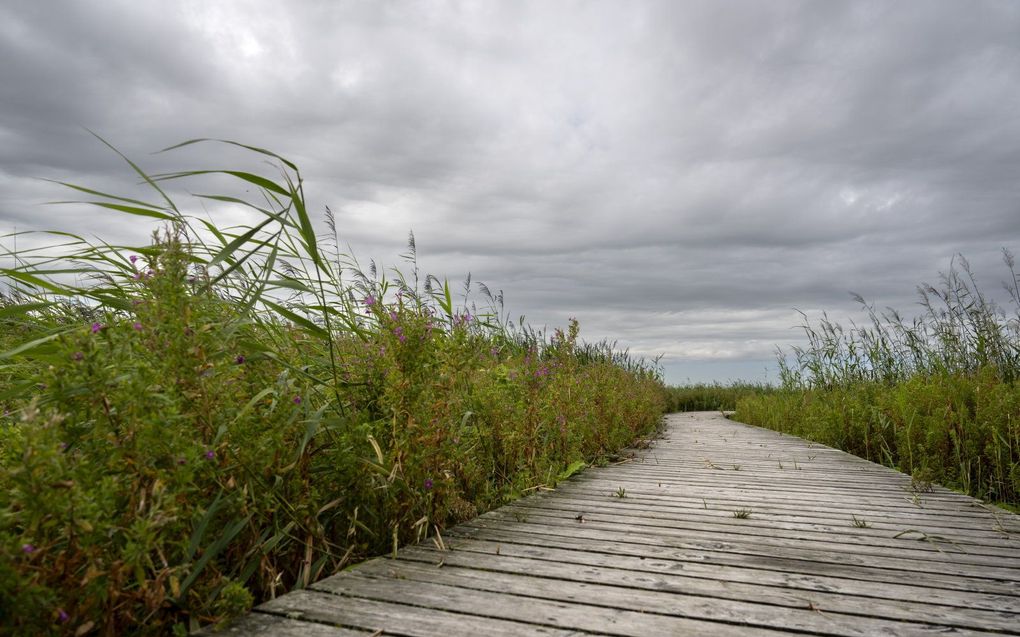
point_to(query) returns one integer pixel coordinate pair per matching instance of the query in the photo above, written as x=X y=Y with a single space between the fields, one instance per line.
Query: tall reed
x=960 y=331
x=936 y=396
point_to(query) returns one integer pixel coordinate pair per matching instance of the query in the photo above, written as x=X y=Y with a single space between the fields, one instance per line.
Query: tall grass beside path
x=936 y=397
x=207 y=421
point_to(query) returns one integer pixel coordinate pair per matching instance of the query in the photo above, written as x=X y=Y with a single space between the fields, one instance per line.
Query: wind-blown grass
x=226 y=414
x=936 y=397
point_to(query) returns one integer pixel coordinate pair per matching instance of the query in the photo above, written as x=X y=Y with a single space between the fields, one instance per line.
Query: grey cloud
x=678 y=174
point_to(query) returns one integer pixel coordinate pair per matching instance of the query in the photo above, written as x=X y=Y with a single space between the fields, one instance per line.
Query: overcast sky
x=678 y=175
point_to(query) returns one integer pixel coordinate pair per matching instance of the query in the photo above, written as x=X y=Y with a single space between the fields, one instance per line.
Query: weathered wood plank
x=751 y=563
x=877 y=527
x=394 y=617
x=763 y=549
x=265 y=625
x=791 y=481
x=538 y=611
x=906 y=545
x=980 y=519
x=753 y=602
x=897 y=502
x=980 y=534
x=580 y=555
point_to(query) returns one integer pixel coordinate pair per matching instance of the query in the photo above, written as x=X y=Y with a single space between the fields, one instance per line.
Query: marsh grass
x=712 y=396
x=197 y=424
x=935 y=396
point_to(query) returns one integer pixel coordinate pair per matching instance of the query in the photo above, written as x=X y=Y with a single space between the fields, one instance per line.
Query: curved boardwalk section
x=718 y=528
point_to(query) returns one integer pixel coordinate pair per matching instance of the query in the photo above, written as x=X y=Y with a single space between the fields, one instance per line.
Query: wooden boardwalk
x=658 y=545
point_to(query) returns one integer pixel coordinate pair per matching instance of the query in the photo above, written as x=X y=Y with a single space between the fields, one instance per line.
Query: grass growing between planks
x=226 y=414
x=936 y=397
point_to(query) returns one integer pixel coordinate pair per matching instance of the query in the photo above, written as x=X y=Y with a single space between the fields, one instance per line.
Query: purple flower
x=137 y=326
x=428 y=484
x=62 y=616
x=96 y=327
x=27 y=549
x=400 y=334
x=137 y=276
x=78 y=356
x=297 y=400
x=240 y=359
x=393 y=316
x=133 y=257
x=369 y=301
x=209 y=455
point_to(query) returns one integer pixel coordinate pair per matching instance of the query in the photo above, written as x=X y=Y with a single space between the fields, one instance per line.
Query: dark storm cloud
x=679 y=175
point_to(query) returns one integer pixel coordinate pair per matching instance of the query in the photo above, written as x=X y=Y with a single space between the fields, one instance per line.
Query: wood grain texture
x=670 y=558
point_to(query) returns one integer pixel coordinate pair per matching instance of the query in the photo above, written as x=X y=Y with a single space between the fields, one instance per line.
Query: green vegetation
x=936 y=397
x=195 y=425
x=712 y=396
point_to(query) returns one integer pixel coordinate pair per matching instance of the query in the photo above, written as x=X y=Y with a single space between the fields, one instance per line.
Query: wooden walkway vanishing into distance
x=717 y=529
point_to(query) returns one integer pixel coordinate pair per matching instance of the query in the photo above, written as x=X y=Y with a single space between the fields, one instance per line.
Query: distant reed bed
x=935 y=396
x=209 y=420
x=712 y=396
